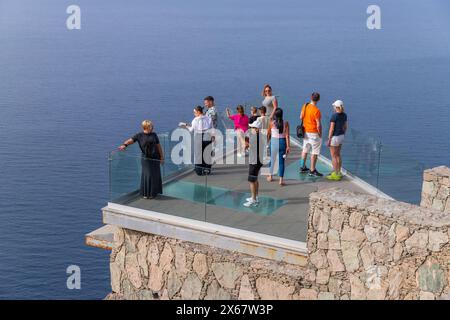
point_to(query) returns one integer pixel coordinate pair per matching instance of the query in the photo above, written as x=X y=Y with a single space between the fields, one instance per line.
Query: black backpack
x=300 y=128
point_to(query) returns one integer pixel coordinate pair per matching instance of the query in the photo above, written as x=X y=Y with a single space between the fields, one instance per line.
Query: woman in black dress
x=152 y=158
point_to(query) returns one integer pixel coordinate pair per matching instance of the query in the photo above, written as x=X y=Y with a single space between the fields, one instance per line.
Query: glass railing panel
x=367 y=158
x=124 y=172
x=400 y=175
x=280 y=211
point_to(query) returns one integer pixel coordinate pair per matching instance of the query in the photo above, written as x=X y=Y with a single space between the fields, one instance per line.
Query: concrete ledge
x=102 y=238
x=251 y=243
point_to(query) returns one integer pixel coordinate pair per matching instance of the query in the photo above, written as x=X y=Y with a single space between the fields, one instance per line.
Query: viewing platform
x=209 y=209
x=310 y=239
x=218 y=198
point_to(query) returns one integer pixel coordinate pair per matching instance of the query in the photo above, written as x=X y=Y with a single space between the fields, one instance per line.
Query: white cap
x=256 y=124
x=338 y=103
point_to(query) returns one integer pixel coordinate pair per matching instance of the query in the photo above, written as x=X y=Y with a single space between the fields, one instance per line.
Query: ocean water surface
x=67 y=98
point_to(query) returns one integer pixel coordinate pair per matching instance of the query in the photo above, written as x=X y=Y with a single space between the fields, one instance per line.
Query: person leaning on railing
x=152 y=159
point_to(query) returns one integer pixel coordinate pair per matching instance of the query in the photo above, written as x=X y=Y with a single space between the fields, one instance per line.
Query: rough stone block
x=272 y=290
x=429 y=176
x=180 y=260
x=378 y=293
x=153 y=253
x=372 y=233
x=402 y=233
x=426 y=201
x=358 y=291
x=438 y=204
x=352 y=235
x=192 y=287
x=350 y=256
x=200 y=265
x=337 y=219
x=215 y=292
x=395 y=280
x=246 y=291
x=397 y=252
x=436 y=240
x=443 y=192
x=431 y=277
x=428 y=187
x=322 y=277
x=318 y=259
x=116 y=277
x=418 y=240
x=324 y=223
x=174 y=284
x=227 y=273
x=307 y=294
x=325 y=296
x=447 y=206
x=355 y=219
x=132 y=269
x=367 y=256
x=426 y=296
x=334 y=241
x=165 y=260
x=156 y=277
x=380 y=252
x=446 y=181
x=322 y=241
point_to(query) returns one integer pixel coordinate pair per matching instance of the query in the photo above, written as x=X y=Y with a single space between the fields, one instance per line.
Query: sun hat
x=338 y=103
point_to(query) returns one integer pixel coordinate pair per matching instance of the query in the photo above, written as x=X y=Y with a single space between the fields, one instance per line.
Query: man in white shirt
x=201 y=126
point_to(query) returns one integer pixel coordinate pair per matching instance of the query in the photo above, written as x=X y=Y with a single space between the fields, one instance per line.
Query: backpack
x=300 y=128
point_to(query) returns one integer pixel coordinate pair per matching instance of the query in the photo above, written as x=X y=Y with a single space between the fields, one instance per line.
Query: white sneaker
x=250 y=204
x=251 y=199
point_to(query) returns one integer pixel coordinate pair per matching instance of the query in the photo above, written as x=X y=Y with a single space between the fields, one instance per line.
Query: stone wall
x=436 y=189
x=359 y=247
x=370 y=248
x=147 y=266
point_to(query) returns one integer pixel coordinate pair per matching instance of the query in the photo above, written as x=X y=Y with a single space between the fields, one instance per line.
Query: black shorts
x=253 y=172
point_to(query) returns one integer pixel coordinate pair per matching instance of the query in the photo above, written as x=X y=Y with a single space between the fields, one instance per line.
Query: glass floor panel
x=221 y=197
x=292 y=171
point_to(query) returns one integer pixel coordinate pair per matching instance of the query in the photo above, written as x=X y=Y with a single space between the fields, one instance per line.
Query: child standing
x=264 y=120
x=253 y=115
x=336 y=135
x=254 y=164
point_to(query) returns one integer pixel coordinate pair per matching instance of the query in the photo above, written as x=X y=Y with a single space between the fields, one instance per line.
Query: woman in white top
x=270 y=101
x=201 y=126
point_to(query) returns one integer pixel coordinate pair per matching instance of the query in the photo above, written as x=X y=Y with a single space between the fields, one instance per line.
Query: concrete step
x=102 y=238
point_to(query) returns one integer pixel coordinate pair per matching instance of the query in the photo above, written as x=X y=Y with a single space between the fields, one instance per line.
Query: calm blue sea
x=67 y=98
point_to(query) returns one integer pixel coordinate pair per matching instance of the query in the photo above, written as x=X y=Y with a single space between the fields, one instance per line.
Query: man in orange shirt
x=311 y=117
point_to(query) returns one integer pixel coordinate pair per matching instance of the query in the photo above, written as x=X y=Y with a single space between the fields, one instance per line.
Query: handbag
x=300 y=128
